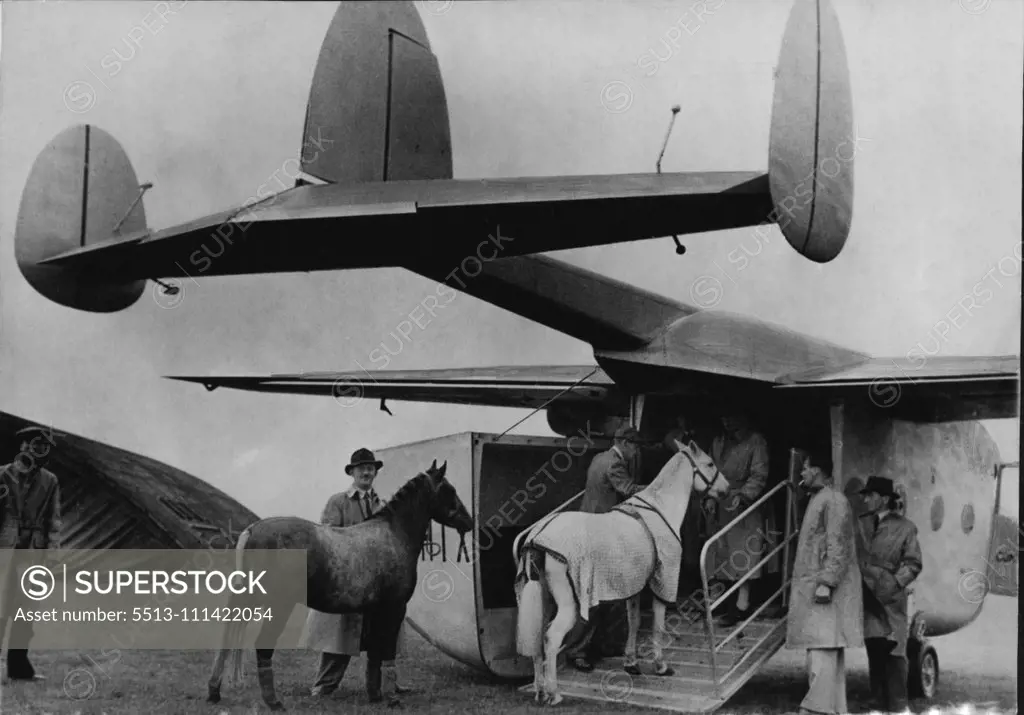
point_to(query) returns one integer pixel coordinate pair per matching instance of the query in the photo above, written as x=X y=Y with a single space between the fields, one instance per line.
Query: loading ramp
x=711 y=664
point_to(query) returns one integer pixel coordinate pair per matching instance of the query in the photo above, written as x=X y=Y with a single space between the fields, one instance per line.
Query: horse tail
x=236 y=629
x=530 y=619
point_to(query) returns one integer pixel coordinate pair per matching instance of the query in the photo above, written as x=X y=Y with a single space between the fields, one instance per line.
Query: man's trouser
x=888 y=675
x=602 y=634
x=18 y=665
x=826 y=675
x=379 y=639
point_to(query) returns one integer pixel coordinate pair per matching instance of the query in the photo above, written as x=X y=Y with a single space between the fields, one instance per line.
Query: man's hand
x=822 y=594
x=734 y=502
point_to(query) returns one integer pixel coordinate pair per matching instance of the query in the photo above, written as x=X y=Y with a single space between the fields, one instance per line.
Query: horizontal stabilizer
x=332 y=226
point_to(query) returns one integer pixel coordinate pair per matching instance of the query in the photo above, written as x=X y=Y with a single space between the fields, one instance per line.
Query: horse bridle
x=707 y=502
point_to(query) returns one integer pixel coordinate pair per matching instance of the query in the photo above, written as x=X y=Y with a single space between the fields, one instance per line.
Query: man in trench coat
x=742 y=456
x=890 y=560
x=338 y=637
x=29 y=519
x=825 y=606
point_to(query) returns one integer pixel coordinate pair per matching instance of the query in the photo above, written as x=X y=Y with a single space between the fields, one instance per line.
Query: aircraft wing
x=946 y=388
x=953 y=387
x=428 y=222
x=524 y=387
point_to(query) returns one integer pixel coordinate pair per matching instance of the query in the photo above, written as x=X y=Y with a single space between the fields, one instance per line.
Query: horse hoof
x=554 y=699
x=213 y=697
x=394 y=703
x=276 y=706
x=666 y=672
x=632 y=669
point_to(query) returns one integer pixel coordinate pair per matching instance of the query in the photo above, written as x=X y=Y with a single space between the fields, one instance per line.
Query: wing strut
x=549 y=401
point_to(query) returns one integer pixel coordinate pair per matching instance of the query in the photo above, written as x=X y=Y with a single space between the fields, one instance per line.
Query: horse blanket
x=611 y=556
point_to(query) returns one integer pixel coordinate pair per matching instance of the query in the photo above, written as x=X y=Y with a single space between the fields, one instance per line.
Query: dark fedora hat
x=879 y=485
x=362 y=456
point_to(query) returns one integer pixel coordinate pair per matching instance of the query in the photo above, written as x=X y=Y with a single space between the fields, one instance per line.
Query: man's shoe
x=583 y=665
x=25 y=676
x=403 y=689
x=734 y=616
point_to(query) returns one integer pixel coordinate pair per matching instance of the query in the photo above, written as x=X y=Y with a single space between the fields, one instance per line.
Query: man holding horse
x=610 y=481
x=741 y=453
x=339 y=637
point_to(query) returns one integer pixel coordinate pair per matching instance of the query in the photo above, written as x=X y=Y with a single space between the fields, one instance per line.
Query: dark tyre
x=923 y=670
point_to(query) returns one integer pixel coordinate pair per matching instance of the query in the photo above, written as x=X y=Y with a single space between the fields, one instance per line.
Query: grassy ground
x=979 y=666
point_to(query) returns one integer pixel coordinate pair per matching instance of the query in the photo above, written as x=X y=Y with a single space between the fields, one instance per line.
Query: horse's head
x=446 y=508
x=707 y=478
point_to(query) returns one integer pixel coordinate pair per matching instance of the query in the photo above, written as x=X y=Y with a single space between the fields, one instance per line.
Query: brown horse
x=368 y=568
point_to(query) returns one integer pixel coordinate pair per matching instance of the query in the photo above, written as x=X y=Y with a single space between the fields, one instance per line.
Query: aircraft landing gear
x=922 y=669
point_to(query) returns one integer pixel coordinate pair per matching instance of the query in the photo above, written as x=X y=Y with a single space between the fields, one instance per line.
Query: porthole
x=938 y=513
x=967 y=519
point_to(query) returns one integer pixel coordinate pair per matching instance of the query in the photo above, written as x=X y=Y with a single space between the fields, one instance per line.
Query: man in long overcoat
x=890 y=560
x=338 y=637
x=610 y=482
x=29 y=519
x=741 y=454
x=699 y=520
x=825 y=594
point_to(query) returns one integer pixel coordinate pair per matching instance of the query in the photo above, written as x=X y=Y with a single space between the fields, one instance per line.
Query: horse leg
x=538 y=678
x=561 y=624
x=265 y=642
x=233 y=632
x=633 y=616
x=661 y=638
x=217 y=673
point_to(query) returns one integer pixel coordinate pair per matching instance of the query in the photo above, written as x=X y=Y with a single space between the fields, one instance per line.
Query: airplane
x=377 y=92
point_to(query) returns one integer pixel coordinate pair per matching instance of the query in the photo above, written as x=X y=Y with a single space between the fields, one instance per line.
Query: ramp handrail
x=710 y=606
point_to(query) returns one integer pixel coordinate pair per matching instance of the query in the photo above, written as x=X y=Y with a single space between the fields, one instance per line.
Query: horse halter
x=698 y=473
x=708 y=501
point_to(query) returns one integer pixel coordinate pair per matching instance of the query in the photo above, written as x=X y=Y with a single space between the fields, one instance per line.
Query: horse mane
x=411 y=488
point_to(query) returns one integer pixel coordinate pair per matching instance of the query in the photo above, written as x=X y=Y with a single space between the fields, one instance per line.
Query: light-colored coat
x=341 y=633
x=826 y=553
x=890 y=560
x=29 y=509
x=609 y=483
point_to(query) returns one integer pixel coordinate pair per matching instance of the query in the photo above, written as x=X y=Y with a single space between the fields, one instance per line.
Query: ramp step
x=693 y=636
x=609 y=685
x=690 y=689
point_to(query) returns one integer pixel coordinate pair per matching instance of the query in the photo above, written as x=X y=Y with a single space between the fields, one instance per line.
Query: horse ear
x=433 y=466
x=443 y=469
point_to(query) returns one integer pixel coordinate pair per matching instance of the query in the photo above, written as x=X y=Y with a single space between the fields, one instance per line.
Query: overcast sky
x=211 y=104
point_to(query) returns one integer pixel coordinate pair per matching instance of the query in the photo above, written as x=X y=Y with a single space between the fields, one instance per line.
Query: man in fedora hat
x=339 y=637
x=29 y=519
x=890 y=560
x=610 y=481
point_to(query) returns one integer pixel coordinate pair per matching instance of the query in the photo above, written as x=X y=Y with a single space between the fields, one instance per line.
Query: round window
x=967 y=519
x=938 y=513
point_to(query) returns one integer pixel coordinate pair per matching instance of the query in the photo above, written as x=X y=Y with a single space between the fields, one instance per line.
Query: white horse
x=607 y=557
